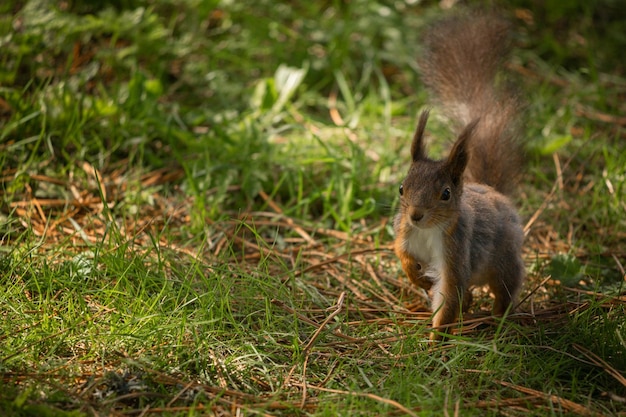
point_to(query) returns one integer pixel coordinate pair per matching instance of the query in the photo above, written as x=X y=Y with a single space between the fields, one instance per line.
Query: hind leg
x=467 y=300
x=506 y=285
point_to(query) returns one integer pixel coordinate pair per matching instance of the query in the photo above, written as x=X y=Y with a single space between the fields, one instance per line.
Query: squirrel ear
x=459 y=155
x=417 y=146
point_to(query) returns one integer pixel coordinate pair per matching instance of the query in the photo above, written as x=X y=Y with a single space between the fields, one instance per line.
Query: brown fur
x=461 y=64
x=456 y=228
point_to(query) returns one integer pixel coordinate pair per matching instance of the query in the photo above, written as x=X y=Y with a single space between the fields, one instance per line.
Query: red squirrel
x=456 y=226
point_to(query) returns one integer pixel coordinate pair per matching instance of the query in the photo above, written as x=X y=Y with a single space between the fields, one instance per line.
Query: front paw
x=419 y=279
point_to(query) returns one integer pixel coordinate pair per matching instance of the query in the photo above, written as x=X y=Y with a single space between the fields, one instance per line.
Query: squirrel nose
x=417 y=216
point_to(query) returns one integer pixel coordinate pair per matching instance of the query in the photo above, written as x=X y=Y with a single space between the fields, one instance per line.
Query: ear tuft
x=418 y=150
x=459 y=154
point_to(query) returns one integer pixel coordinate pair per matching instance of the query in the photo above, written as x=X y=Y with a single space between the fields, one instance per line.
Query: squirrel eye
x=445 y=195
x=401 y=189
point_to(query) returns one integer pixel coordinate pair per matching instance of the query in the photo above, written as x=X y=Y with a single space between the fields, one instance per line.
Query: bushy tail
x=461 y=64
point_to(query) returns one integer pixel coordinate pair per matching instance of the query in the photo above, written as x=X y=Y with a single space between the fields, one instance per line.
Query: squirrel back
x=461 y=62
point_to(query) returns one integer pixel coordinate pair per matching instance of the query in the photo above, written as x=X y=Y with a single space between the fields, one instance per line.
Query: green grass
x=189 y=188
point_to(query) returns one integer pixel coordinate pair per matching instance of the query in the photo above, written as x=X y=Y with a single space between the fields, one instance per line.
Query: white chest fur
x=426 y=245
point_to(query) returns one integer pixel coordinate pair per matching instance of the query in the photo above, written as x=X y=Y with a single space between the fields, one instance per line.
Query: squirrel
x=456 y=227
